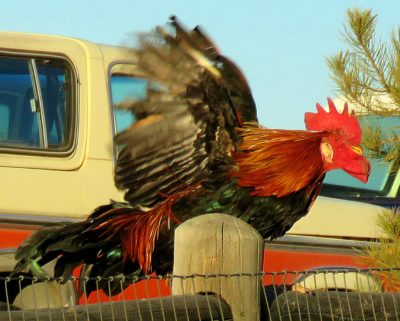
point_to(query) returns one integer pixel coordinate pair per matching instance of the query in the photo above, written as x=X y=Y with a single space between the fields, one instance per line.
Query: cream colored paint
x=339 y=218
x=58 y=193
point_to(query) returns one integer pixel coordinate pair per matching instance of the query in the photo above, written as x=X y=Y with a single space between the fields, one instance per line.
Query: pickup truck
x=59 y=101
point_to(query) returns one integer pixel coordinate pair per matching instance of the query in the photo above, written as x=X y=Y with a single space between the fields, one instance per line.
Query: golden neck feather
x=278 y=162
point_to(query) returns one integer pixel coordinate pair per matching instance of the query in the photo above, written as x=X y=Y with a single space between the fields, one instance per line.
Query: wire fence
x=324 y=294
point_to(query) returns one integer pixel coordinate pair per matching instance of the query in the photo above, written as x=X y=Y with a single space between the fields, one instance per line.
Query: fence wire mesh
x=325 y=294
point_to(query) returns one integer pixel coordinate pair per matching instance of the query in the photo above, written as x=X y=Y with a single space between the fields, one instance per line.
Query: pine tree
x=367 y=74
x=385 y=253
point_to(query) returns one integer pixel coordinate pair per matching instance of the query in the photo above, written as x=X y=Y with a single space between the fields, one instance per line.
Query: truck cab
x=61 y=103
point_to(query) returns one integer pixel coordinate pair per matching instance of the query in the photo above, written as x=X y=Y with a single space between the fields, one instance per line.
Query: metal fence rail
x=325 y=294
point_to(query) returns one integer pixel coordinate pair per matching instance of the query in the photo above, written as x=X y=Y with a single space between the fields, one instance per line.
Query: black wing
x=185 y=130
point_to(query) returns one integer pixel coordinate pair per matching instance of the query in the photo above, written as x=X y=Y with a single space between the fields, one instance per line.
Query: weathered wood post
x=215 y=244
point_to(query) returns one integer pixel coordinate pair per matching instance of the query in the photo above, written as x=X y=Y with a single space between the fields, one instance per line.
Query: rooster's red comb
x=345 y=123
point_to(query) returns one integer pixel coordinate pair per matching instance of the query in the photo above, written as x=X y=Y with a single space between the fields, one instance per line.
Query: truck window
x=339 y=183
x=125 y=89
x=35 y=104
x=4 y=117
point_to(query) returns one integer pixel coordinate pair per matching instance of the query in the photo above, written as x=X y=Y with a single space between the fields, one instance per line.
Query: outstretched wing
x=185 y=130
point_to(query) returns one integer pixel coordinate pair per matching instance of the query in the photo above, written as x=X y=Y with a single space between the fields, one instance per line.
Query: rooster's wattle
x=196 y=148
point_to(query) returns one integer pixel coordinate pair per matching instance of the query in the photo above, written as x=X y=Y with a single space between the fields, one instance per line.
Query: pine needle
x=385 y=253
x=368 y=73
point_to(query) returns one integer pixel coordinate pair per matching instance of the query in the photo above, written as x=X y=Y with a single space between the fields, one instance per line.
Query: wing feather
x=185 y=129
x=149 y=139
x=151 y=159
x=168 y=183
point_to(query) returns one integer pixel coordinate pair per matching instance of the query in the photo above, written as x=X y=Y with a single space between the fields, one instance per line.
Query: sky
x=281 y=46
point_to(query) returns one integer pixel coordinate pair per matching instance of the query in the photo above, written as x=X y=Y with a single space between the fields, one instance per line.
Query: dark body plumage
x=82 y=242
x=186 y=155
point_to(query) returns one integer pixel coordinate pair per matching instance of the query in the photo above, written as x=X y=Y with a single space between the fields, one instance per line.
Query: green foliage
x=386 y=252
x=368 y=73
x=381 y=145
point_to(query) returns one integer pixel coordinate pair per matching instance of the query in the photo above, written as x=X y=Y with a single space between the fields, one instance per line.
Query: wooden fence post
x=220 y=244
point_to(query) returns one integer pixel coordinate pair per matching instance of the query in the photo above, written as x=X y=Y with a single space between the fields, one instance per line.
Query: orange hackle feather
x=278 y=162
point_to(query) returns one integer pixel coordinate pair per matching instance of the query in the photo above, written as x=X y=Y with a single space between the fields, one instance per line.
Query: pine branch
x=368 y=74
x=361 y=35
x=352 y=83
x=386 y=252
x=395 y=64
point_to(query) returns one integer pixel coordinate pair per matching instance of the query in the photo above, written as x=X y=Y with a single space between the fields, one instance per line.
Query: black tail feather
x=74 y=244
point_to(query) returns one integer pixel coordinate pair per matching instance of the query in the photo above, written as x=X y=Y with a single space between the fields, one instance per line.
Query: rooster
x=196 y=147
